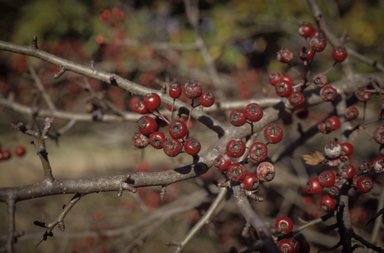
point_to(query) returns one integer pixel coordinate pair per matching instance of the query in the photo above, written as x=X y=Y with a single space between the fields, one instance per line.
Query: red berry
x=192 y=146
x=147 y=125
x=352 y=113
x=296 y=98
x=5 y=155
x=275 y=78
x=333 y=162
x=328 y=93
x=141 y=108
x=133 y=102
x=347 y=171
x=320 y=80
x=236 y=172
x=236 y=148
x=327 y=203
x=302 y=113
x=174 y=90
x=253 y=112
x=361 y=95
x=105 y=15
x=332 y=149
x=332 y=123
x=265 y=171
x=152 y=101
x=364 y=184
x=322 y=127
x=140 y=140
x=285 y=224
x=306 y=53
x=222 y=162
x=302 y=246
x=327 y=178
x=318 y=41
x=258 y=151
x=193 y=89
x=378 y=135
x=305 y=29
x=283 y=89
x=157 y=139
x=20 y=151
x=346 y=148
x=250 y=181
x=286 y=246
x=207 y=99
x=339 y=54
x=288 y=78
x=273 y=134
x=364 y=167
x=172 y=147
x=285 y=55
x=237 y=117
x=378 y=165
x=313 y=186
x=178 y=129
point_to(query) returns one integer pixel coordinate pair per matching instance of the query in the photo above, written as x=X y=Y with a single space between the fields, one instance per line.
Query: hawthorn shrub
x=190 y=149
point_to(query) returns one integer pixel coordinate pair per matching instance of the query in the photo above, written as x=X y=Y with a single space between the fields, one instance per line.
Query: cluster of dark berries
x=177 y=139
x=6 y=153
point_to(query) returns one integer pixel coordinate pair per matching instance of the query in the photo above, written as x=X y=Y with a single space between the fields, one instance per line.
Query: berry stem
x=161 y=116
x=328 y=70
x=190 y=114
x=173 y=106
x=297 y=72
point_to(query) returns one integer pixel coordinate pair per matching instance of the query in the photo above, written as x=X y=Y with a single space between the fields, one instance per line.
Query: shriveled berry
x=378 y=135
x=322 y=127
x=275 y=78
x=157 y=139
x=283 y=89
x=347 y=171
x=253 y=112
x=332 y=149
x=286 y=246
x=258 y=151
x=306 y=29
x=364 y=184
x=339 y=54
x=172 y=147
x=318 y=41
x=192 y=146
x=193 y=89
x=147 y=125
x=207 y=99
x=327 y=203
x=361 y=95
x=296 y=98
x=285 y=224
x=378 y=165
x=222 y=162
x=236 y=172
x=333 y=191
x=346 y=148
x=328 y=93
x=273 y=134
x=332 y=123
x=236 y=148
x=237 y=117
x=141 y=108
x=152 y=101
x=352 y=113
x=20 y=151
x=320 y=80
x=327 y=178
x=333 y=162
x=140 y=140
x=251 y=182
x=306 y=53
x=313 y=186
x=285 y=55
x=175 y=90
x=178 y=129
x=265 y=171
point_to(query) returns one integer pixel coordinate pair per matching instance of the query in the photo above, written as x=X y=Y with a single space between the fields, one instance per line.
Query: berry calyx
x=361 y=95
x=152 y=101
x=140 y=140
x=364 y=167
x=328 y=93
x=318 y=41
x=273 y=134
x=147 y=125
x=275 y=78
x=378 y=135
x=296 y=98
x=20 y=151
x=174 y=90
x=313 y=186
x=306 y=29
x=285 y=224
x=283 y=89
x=352 y=113
x=251 y=182
x=193 y=89
x=265 y=171
x=320 y=80
x=192 y=146
x=258 y=151
x=285 y=55
x=178 y=129
x=157 y=139
x=332 y=123
x=339 y=54
x=327 y=178
x=207 y=99
x=253 y=112
x=172 y=147
x=286 y=246
x=237 y=117
x=141 y=108
x=364 y=184
x=327 y=203
x=235 y=148
x=347 y=171
x=222 y=162
x=236 y=172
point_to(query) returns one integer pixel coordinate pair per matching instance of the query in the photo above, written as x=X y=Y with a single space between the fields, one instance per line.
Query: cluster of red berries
x=178 y=130
x=6 y=153
x=116 y=14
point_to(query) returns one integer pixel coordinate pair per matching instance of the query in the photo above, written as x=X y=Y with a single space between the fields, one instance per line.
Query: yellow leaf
x=314 y=158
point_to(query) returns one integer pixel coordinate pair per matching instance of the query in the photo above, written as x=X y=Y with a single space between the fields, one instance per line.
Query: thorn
x=59 y=73
x=34 y=42
x=113 y=80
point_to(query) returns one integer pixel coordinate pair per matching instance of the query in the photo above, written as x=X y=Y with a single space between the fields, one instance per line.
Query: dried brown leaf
x=314 y=158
